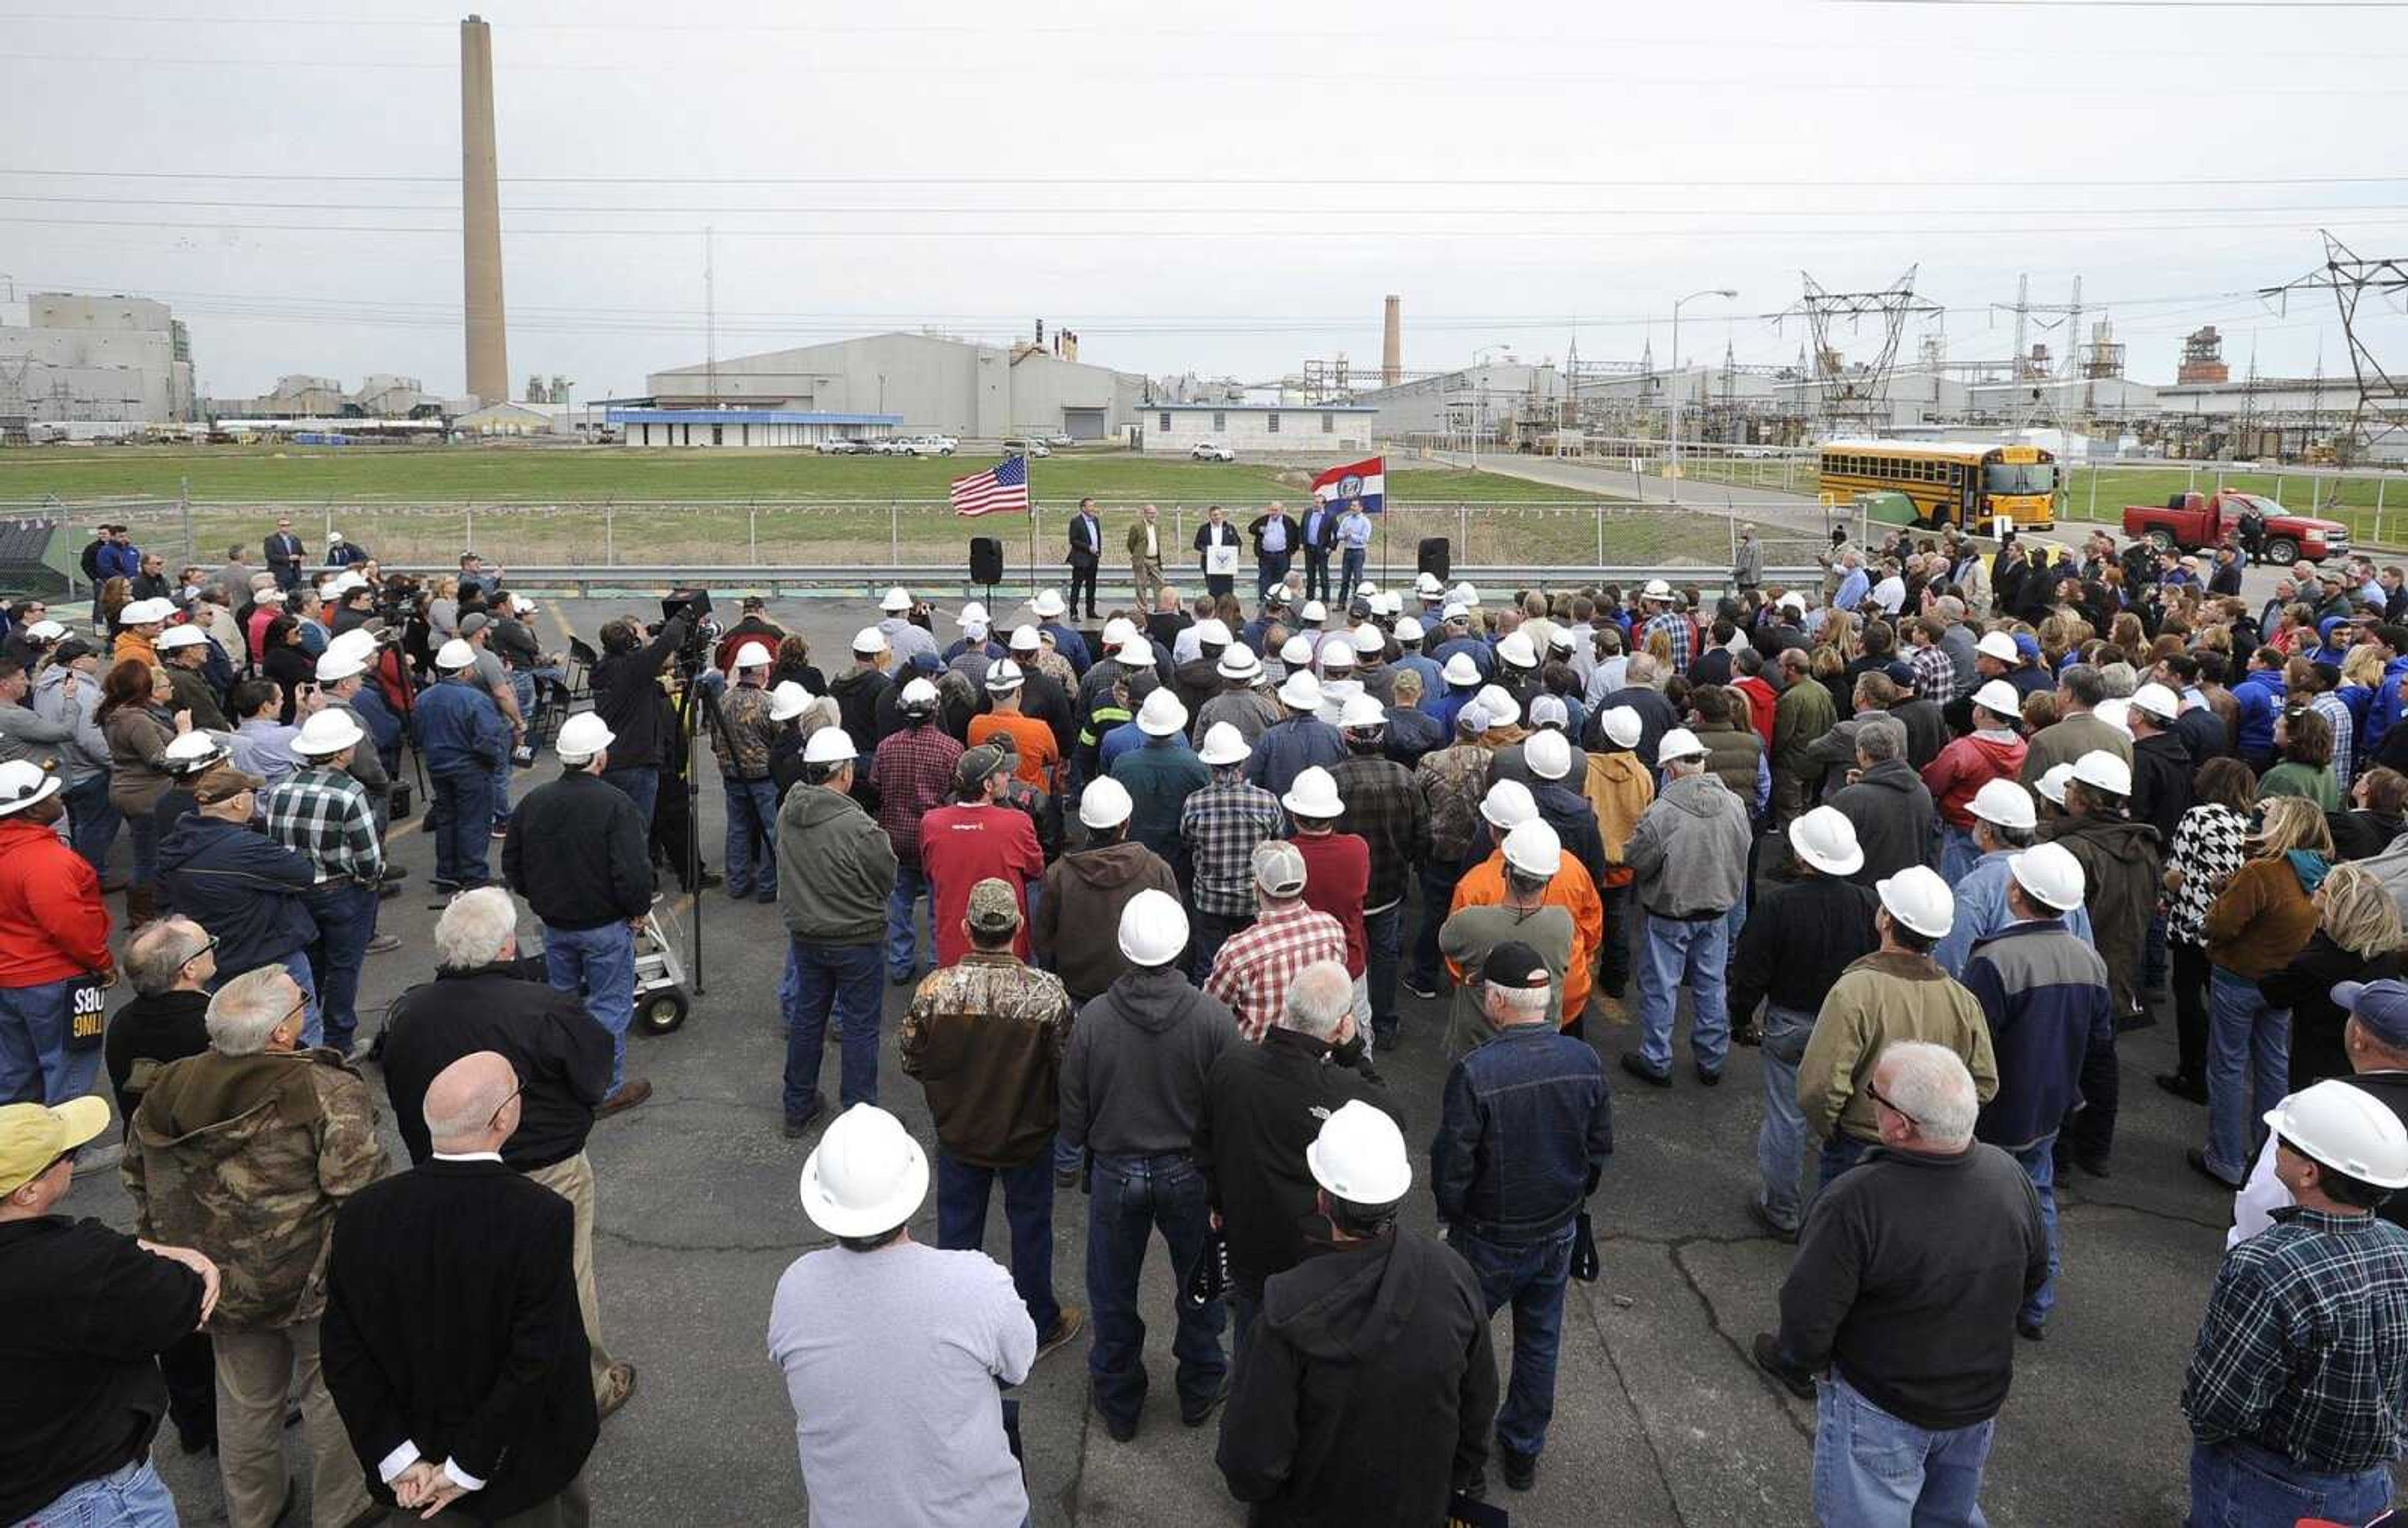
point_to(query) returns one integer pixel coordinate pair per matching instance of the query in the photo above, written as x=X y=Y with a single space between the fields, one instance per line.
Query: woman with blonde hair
x=2361 y=675
x=2357 y=939
x=2257 y=923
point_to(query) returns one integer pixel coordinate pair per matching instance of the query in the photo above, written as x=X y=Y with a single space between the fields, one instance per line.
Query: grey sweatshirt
x=1689 y=851
x=87 y=753
x=1133 y=1082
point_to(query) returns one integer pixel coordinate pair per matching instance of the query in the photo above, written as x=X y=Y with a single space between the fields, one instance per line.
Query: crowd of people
x=1929 y=832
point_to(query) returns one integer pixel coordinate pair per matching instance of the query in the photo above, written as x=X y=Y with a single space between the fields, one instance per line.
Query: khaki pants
x=256 y=1372
x=572 y=1178
x=570 y=1509
x=1147 y=572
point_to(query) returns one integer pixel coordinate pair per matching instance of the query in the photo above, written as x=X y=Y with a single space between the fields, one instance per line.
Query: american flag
x=1002 y=488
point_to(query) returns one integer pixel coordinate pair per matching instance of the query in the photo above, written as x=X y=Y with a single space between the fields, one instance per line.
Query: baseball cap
x=1517 y=965
x=993 y=910
x=472 y=623
x=34 y=1135
x=223 y=783
x=2381 y=1007
x=972 y=769
x=1279 y=867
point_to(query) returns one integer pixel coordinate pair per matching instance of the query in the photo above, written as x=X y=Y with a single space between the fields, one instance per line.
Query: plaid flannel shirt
x=1254 y=970
x=1221 y=825
x=1935 y=673
x=1387 y=812
x=2304 y=1345
x=912 y=772
x=325 y=816
x=1677 y=629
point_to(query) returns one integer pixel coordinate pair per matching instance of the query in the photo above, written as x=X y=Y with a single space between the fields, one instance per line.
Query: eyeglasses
x=1875 y=1094
x=209 y=949
x=494 y=1122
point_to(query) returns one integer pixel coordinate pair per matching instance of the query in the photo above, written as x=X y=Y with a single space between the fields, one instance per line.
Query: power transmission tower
x=1858 y=399
x=16 y=409
x=2020 y=370
x=2378 y=422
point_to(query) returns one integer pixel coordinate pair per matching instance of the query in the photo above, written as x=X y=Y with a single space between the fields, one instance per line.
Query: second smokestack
x=1392 y=343
x=480 y=217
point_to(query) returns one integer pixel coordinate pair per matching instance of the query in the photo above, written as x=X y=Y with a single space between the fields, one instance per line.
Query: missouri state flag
x=1364 y=482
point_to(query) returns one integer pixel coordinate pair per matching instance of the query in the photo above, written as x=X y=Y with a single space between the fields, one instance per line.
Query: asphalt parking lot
x=1660 y=1418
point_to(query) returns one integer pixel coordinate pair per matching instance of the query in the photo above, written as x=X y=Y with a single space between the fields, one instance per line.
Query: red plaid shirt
x=1253 y=970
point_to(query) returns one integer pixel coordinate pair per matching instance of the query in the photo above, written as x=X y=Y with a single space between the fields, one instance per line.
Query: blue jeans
x=129 y=1496
x=461 y=825
x=1129 y=1197
x=142 y=831
x=1958 y=855
x=1840 y=1153
x=35 y=1066
x=599 y=963
x=2241 y=1485
x=2039 y=1165
x=1383 y=936
x=1207 y=933
x=2248 y=1051
x=838 y=980
x=1350 y=575
x=751 y=838
x=902 y=920
x=1781 y=1140
x=642 y=784
x=346 y=919
x=1269 y=569
x=1437 y=891
x=1028 y=1208
x=1698 y=951
x=501 y=804
x=92 y=820
x=1873 y=1470
x=1531 y=1276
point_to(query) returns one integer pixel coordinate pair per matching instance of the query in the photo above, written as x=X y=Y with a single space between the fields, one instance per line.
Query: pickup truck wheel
x=2282 y=549
x=2162 y=538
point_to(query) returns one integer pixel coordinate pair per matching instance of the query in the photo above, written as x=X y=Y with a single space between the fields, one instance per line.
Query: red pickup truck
x=2193 y=521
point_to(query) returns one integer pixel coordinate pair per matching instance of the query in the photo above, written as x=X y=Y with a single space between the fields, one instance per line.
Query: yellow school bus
x=1968 y=485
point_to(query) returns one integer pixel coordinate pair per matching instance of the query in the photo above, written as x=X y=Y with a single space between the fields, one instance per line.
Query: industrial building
x=746 y=426
x=1473 y=397
x=1259 y=428
x=302 y=395
x=81 y=358
x=932 y=383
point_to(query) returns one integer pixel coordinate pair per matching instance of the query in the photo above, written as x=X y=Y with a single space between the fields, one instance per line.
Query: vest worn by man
x=1732 y=755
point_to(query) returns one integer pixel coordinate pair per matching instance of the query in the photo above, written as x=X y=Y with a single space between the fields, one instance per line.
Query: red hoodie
x=52 y=924
x=1761 y=700
x=1964 y=767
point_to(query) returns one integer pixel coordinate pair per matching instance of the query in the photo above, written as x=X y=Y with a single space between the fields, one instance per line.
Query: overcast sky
x=1226 y=189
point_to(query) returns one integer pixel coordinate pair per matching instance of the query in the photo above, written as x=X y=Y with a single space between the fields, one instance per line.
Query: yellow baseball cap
x=33 y=1137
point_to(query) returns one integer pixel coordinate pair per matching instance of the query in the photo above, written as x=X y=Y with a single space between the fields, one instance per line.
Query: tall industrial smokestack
x=480 y=220
x=1392 y=343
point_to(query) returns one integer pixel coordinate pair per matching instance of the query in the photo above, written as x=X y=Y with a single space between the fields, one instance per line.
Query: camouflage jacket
x=1058 y=668
x=985 y=1038
x=247 y=1158
x=1452 y=782
x=745 y=710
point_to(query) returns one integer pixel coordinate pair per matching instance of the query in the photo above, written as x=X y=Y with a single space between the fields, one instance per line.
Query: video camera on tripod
x=702 y=633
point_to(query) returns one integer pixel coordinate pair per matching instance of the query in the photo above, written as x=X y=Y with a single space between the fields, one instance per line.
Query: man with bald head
x=452 y=1340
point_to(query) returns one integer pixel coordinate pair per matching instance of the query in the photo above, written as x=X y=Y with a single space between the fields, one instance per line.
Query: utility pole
x=1677 y=399
x=710 y=322
x=1864 y=400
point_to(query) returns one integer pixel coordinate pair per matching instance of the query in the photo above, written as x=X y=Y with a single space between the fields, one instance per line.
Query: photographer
x=626 y=696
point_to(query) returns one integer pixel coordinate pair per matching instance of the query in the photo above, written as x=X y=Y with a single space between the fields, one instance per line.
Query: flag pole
x=1033 y=512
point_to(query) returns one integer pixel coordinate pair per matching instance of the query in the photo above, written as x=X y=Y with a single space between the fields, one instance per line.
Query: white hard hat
x=25 y=783
x=1162 y=715
x=1678 y=743
x=334 y=536
x=521 y=604
x=338 y=663
x=1998 y=644
x=1212 y=632
x=751 y=656
x=2050 y=874
x=2341 y=1126
x=972 y=611
x=2117 y=712
x=1297 y=652
x=1337 y=655
x=1919 y=899
x=1368 y=640
x=1315 y=795
x=1656 y=589
x=359 y=641
x=187 y=753
x=1223 y=744
x=1302 y=692
x=1550 y=710
x=787 y=700
x=146 y=612
x=1117 y=630
x=1509 y=805
x=2052 y=782
x=1794 y=601
x=1534 y=849
x=182 y=636
x=332 y=730
x=585 y=734
x=1047 y=605
x=1466 y=593
x=2005 y=803
x=867 y=1176
x=1003 y=676
x=1827 y=840
x=1549 y=755
x=1134 y=651
x=1408 y=630
x=2102 y=770
x=1454 y=610
x=1314 y=614
x=1239 y=662
x=1105 y=803
x=2000 y=699
x=1503 y=710
x=1361 y=711
x=1517 y=649
x=1359 y=1157
x=1460 y=670
x=898 y=597
x=1623 y=726
x=46 y=630
x=828 y=745
x=919 y=694
x=868 y=641
x=455 y=654
x=2158 y=701
x=1153 y=927
x=1025 y=639
x=1427 y=583
x=127 y=616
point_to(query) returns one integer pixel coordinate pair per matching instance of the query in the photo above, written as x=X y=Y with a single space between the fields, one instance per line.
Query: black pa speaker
x=986 y=560
x=1436 y=557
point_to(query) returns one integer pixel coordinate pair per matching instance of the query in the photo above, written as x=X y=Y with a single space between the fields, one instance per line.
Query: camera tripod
x=693 y=697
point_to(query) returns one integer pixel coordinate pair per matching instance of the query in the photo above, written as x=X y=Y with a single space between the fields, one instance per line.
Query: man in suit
x=452 y=1340
x=1215 y=531
x=283 y=551
x=1276 y=535
x=1086 y=553
x=1319 y=534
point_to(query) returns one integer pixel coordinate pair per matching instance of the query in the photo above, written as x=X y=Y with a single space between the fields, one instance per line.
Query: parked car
x=841 y=448
x=1208 y=451
x=1059 y=440
x=2190 y=520
x=1018 y=447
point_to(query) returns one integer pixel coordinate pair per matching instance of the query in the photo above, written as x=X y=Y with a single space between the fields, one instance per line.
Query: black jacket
x=2161 y=776
x=857 y=692
x=2360 y=834
x=89 y=1313
x=1263 y=1105
x=2305 y=988
x=2204 y=733
x=158 y=1029
x=561 y=1055
x=1365 y=1392
x=1255 y=527
x=1892 y=811
x=625 y=689
x=577 y=851
x=451 y=1323
x=1798 y=939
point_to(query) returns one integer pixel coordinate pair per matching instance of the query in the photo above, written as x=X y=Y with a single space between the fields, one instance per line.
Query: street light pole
x=1710 y=291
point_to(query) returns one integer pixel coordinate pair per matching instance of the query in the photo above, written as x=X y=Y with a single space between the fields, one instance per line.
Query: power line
x=316 y=175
